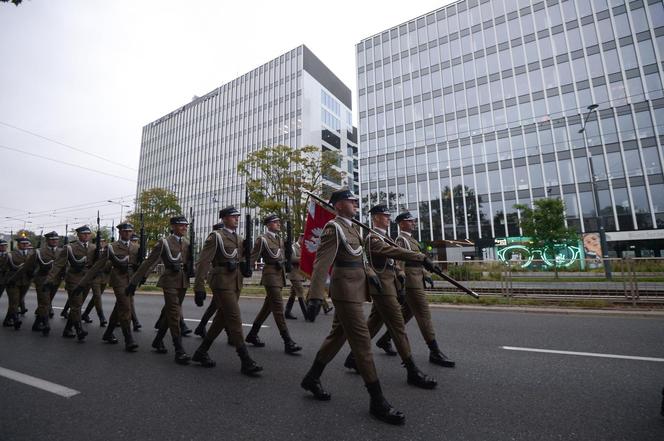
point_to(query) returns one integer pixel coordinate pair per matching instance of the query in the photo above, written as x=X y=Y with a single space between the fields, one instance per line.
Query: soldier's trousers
x=274 y=304
x=386 y=309
x=173 y=298
x=227 y=316
x=349 y=323
x=296 y=290
x=75 y=304
x=124 y=304
x=14 y=295
x=43 y=299
x=417 y=305
x=97 y=291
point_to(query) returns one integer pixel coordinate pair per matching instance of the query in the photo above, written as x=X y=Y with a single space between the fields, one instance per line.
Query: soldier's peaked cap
x=83 y=229
x=270 y=218
x=125 y=226
x=229 y=211
x=404 y=216
x=379 y=209
x=22 y=239
x=52 y=235
x=179 y=220
x=341 y=195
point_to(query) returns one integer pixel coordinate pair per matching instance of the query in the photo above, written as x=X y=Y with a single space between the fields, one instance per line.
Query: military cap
x=52 y=235
x=218 y=226
x=341 y=195
x=83 y=229
x=179 y=220
x=380 y=209
x=229 y=211
x=3 y=242
x=270 y=218
x=22 y=239
x=125 y=226
x=134 y=237
x=404 y=216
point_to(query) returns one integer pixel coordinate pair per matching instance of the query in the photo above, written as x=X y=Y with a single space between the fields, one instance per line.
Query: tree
x=276 y=175
x=545 y=225
x=15 y=2
x=156 y=205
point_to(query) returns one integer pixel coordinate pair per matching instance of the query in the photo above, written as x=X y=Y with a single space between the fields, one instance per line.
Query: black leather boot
x=248 y=367
x=50 y=312
x=130 y=344
x=289 y=307
x=23 y=309
x=46 y=328
x=181 y=357
x=290 y=347
x=88 y=309
x=9 y=321
x=102 y=318
x=201 y=355
x=80 y=332
x=158 y=342
x=380 y=408
x=108 y=336
x=311 y=382
x=134 y=320
x=252 y=337
x=67 y=332
x=17 y=322
x=184 y=329
x=38 y=325
x=303 y=307
x=385 y=343
x=437 y=357
x=65 y=310
x=418 y=378
x=349 y=363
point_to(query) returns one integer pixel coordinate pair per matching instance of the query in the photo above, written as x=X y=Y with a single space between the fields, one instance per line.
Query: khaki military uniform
x=98 y=286
x=271 y=248
x=341 y=246
x=3 y=271
x=18 y=280
x=75 y=259
x=42 y=261
x=121 y=257
x=296 y=276
x=385 y=306
x=173 y=252
x=416 y=299
x=219 y=263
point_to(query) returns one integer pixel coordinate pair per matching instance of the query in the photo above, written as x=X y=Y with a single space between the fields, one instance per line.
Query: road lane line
x=38 y=383
x=585 y=354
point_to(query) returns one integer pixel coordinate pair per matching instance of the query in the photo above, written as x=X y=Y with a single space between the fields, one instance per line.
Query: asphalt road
x=492 y=394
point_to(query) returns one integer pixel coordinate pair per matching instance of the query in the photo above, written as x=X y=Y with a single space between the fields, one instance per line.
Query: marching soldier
x=221 y=263
x=3 y=265
x=135 y=239
x=173 y=252
x=341 y=246
x=75 y=259
x=212 y=307
x=42 y=261
x=98 y=287
x=270 y=247
x=416 y=303
x=121 y=256
x=18 y=281
x=296 y=278
x=384 y=295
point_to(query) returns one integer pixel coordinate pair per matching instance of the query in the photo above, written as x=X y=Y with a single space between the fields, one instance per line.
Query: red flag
x=317 y=217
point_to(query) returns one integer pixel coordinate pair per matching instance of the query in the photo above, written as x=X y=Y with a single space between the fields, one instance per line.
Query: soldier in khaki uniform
x=221 y=263
x=121 y=256
x=42 y=261
x=173 y=252
x=75 y=259
x=212 y=307
x=341 y=247
x=296 y=279
x=416 y=299
x=270 y=247
x=3 y=265
x=384 y=295
x=98 y=286
x=135 y=239
x=18 y=281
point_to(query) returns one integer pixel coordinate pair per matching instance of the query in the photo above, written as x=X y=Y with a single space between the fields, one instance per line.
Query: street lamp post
x=593 y=184
x=122 y=207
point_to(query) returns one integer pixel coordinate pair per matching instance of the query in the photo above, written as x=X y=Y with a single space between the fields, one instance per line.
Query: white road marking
x=585 y=354
x=38 y=383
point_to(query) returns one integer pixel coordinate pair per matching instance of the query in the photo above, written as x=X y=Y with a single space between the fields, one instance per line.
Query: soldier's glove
x=429 y=280
x=401 y=296
x=130 y=290
x=313 y=308
x=429 y=266
x=199 y=297
x=245 y=270
x=375 y=281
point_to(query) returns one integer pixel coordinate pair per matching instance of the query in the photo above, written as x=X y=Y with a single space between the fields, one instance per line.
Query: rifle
x=65 y=241
x=389 y=240
x=40 y=239
x=288 y=245
x=192 y=240
x=248 y=240
x=97 y=240
x=11 y=240
x=141 y=245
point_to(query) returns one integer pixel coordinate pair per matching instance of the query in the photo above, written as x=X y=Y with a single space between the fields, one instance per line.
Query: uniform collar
x=271 y=233
x=406 y=233
x=345 y=219
x=229 y=230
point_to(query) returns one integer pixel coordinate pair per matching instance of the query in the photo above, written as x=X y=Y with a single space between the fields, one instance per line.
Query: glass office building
x=475 y=107
x=293 y=100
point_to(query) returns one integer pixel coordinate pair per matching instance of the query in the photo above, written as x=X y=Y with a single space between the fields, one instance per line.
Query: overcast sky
x=91 y=73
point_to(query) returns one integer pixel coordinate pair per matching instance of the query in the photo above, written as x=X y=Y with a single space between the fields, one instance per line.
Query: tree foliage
x=276 y=175
x=157 y=205
x=15 y=2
